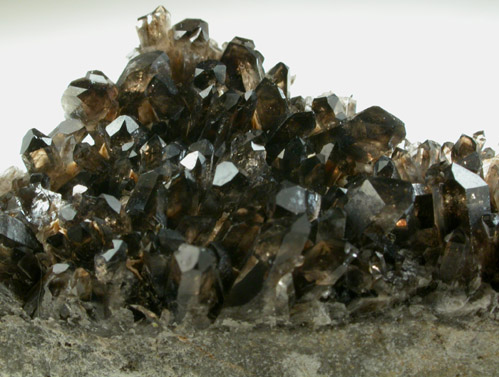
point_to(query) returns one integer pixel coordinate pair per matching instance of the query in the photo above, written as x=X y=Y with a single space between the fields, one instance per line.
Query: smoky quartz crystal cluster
x=197 y=189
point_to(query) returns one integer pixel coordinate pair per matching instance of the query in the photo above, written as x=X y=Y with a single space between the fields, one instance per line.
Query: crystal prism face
x=123 y=127
x=376 y=204
x=197 y=187
x=244 y=65
x=462 y=200
x=385 y=167
x=193 y=30
x=141 y=194
x=38 y=152
x=376 y=126
x=33 y=141
x=141 y=69
x=15 y=232
x=107 y=262
x=491 y=174
x=199 y=283
x=224 y=173
x=466 y=153
x=153 y=28
x=192 y=160
x=153 y=153
x=298 y=200
x=456 y=258
x=91 y=99
x=329 y=110
x=280 y=76
x=427 y=155
x=209 y=72
x=271 y=106
x=301 y=123
x=66 y=129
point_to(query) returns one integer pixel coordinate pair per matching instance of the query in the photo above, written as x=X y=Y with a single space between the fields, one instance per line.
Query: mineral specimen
x=195 y=186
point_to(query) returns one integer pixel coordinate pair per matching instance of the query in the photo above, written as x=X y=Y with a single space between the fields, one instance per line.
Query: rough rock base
x=411 y=341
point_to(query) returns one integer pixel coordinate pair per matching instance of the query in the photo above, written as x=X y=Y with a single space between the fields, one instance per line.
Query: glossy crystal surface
x=195 y=186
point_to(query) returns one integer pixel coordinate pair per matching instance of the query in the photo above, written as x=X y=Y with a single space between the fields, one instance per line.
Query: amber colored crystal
x=197 y=187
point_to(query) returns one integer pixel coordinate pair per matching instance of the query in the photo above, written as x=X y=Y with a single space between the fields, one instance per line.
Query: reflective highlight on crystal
x=196 y=189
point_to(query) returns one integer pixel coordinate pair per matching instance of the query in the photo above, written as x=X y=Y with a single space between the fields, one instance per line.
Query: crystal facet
x=91 y=99
x=197 y=187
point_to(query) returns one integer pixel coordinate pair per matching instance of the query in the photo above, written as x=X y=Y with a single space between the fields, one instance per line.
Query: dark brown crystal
x=244 y=65
x=196 y=186
x=91 y=99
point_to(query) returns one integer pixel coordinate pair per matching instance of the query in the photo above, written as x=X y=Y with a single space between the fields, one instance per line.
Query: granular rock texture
x=446 y=340
x=195 y=191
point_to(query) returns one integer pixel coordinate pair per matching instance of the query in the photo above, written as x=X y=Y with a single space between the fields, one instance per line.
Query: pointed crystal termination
x=209 y=72
x=385 y=167
x=198 y=287
x=106 y=262
x=191 y=45
x=244 y=65
x=271 y=108
x=65 y=130
x=36 y=151
x=192 y=160
x=141 y=194
x=141 y=69
x=112 y=202
x=376 y=204
x=153 y=153
x=329 y=110
x=153 y=28
x=297 y=124
x=194 y=30
x=465 y=153
x=91 y=99
x=224 y=173
x=298 y=200
x=15 y=232
x=41 y=155
x=196 y=186
x=264 y=288
x=146 y=69
x=249 y=157
x=279 y=75
x=140 y=73
x=377 y=126
x=460 y=201
x=121 y=131
x=427 y=155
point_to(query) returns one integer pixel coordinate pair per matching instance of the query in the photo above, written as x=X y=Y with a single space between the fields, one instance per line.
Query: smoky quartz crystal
x=196 y=189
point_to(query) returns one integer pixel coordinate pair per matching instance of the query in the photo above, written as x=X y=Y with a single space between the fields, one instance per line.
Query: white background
x=433 y=64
